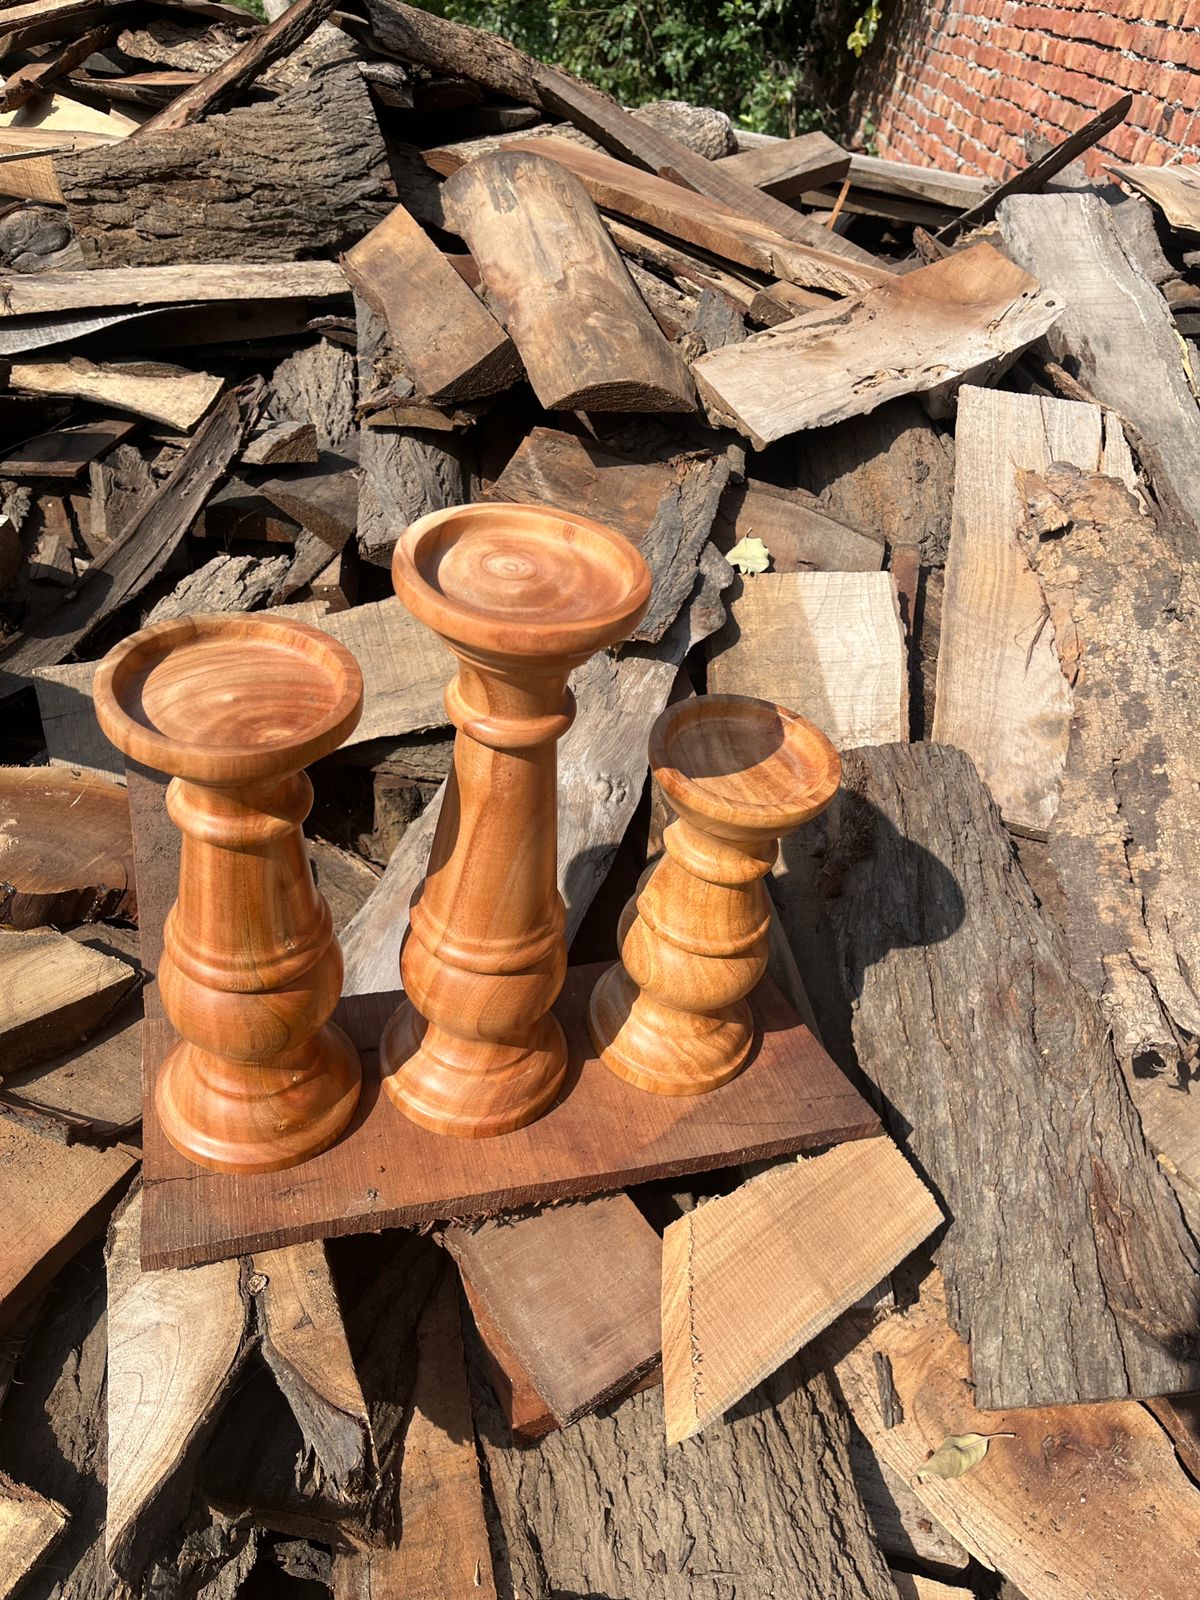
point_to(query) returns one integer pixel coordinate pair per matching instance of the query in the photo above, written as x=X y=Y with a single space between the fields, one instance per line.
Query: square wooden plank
x=601 y=1135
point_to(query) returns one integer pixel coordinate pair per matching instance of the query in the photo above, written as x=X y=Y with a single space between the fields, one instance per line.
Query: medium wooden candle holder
x=233 y=707
x=672 y=1016
x=521 y=594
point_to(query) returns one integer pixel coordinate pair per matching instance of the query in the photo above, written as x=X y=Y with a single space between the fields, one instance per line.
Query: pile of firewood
x=911 y=455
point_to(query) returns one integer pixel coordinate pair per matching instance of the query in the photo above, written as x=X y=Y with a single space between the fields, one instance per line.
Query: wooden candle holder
x=521 y=594
x=671 y=1016
x=233 y=707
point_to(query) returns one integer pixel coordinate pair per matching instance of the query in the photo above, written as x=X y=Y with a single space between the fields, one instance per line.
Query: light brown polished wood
x=233 y=707
x=521 y=594
x=672 y=1016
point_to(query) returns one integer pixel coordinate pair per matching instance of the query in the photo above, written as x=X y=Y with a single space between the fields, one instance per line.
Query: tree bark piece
x=583 y=1334
x=1060 y=1509
x=450 y=344
x=750 y=1277
x=669 y=208
x=583 y=331
x=1070 y=1271
x=285 y=34
x=829 y=645
x=54 y=991
x=1002 y=695
x=968 y=316
x=226 y=583
x=67 y=854
x=572 y=1518
x=30 y=1527
x=665 y=506
x=195 y=194
x=55 y=1198
x=1074 y=246
x=1125 y=845
x=786 y=168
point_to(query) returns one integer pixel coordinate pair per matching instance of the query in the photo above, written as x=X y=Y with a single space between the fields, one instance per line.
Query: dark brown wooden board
x=601 y=1135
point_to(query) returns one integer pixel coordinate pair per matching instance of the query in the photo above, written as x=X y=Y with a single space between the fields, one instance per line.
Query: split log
x=829 y=645
x=1125 y=839
x=66 y=855
x=800 y=533
x=669 y=208
x=30 y=1527
x=602 y=766
x=315 y=384
x=584 y=333
x=1002 y=695
x=891 y=472
x=142 y=551
x=195 y=194
x=1069 y=1270
x=170 y=395
x=55 y=1198
x=749 y=1278
x=664 y=503
x=54 y=991
x=967 y=317
x=571 y=1515
x=453 y=48
x=582 y=1337
x=84 y=1095
x=785 y=168
x=450 y=344
x=1060 y=1508
x=1071 y=242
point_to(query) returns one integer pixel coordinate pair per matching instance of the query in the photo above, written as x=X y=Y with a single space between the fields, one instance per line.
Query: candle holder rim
x=805 y=749
x=484 y=632
x=206 y=761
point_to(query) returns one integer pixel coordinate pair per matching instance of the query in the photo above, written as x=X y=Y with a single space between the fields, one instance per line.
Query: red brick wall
x=958 y=83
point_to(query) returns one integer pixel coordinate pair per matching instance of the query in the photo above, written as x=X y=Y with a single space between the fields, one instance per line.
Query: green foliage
x=758 y=60
x=865 y=28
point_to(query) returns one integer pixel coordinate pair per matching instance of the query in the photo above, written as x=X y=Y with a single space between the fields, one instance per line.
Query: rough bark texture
x=301 y=176
x=1125 y=840
x=1068 y=1264
x=762 y=1508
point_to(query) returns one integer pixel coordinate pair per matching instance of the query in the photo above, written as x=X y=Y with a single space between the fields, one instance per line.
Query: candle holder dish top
x=521 y=595
x=233 y=707
x=671 y=1016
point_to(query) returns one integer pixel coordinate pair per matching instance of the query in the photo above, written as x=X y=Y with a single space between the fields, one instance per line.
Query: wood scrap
x=65 y=849
x=584 y=334
x=90 y=1094
x=1002 y=694
x=68 y=718
x=787 y=167
x=226 y=583
x=164 y=393
x=581 y=1337
x=30 y=1527
x=829 y=644
x=1072 y=244
x=450 y=344
x=967 y=317
x=1106 y=1469
x=275 y=444
x=751 y=1277
x=1085 y=1249
x=54 y=991
x=1174 y=190
x=30 y=81
x=40 y=295
x=65 y=452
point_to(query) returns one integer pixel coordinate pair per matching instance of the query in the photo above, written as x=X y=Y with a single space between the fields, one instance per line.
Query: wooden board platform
x=601 y=1135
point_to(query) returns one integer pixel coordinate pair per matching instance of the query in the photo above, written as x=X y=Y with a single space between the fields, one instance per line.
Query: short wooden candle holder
x=521 y=595
x=672 y=1016
x=233 y=707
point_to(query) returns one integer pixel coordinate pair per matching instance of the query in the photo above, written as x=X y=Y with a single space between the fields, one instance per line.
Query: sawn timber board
x=602 y=1134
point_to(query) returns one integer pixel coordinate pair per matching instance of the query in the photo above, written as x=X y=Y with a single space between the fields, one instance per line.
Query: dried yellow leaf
x=749 y=555
x=958 y=1454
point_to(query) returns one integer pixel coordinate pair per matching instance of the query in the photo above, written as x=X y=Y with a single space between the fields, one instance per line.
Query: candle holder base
x=229 y=1118
x=466 y=1087
x=661 y=1049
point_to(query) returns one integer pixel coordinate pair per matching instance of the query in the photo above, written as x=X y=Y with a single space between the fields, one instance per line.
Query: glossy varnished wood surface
x=250 y=973
x=600 y=1136
x=521 y=594
x=671 y=1017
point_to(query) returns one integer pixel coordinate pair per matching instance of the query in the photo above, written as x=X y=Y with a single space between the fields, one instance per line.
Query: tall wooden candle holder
x=521 y=594
x=233 y=707
x=672 y=1016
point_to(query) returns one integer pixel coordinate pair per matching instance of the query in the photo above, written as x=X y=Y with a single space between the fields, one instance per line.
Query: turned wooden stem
x=234 y=707
x=672 y=1016
x=521 y=595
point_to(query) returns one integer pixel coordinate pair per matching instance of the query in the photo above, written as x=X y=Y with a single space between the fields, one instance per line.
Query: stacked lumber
x=908 y=453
